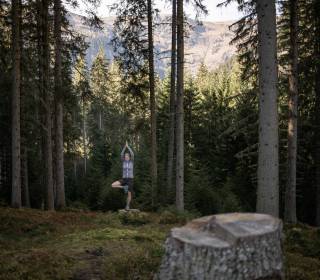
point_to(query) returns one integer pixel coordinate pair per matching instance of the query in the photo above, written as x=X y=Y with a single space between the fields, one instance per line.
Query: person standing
x=126 y=183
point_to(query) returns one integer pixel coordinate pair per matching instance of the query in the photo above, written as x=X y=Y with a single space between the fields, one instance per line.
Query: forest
x=243 y=136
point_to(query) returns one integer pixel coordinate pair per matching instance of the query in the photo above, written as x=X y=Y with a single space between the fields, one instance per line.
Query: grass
x=302 y=252
x=91 y=245
x=67 y=245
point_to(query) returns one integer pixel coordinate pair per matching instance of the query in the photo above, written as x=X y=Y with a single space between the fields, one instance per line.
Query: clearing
x=94 y=245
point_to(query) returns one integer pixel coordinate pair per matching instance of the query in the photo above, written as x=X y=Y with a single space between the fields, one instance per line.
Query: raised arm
x=122 y=152
x=131 y=152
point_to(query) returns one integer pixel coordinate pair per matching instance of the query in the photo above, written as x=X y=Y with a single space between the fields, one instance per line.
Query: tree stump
x=228 y=246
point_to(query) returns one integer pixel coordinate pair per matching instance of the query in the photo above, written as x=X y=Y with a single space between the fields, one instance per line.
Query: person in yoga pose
x=126 y=183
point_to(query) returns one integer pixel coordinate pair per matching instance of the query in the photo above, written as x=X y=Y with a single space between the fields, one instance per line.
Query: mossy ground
x=91 y=245
x=302 y=251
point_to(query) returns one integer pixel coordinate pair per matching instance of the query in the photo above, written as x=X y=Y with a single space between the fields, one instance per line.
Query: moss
x=133 y=262
x=302 y=252
x=35 y=264
x=134 y=218
x=299 y=267
x=171 y=216
x=63 y=245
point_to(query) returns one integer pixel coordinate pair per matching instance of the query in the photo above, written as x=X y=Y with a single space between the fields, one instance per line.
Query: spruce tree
x=153 y=118
x=290 y=199
x=58 y=97
x=317 y=106
x=46 y=96
x=179 y=109
x=268 y=161
x=133 y=50
x=16 y=90
x=171 y=139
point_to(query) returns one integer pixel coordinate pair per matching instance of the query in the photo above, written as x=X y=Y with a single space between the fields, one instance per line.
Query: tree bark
x=179 y=109
x=40 y=106
x=25 y=197
x=268 y=161
x=290 y=214
x=45 y=94
x=58 y=105
x=228 y=246
x=100 y=119
x=16 y=91
x=172 y=96
x=84 y=135
x=25 y=177
x=154 y=169
x=317 y=110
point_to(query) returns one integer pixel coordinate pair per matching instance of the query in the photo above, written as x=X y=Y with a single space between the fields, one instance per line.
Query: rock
x=129 y=211
x=228 y=246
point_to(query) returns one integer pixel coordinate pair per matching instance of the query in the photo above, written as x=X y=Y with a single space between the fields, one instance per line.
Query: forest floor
x=91 y=245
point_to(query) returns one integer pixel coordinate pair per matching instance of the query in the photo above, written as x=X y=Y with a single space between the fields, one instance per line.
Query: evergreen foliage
x=107 y=104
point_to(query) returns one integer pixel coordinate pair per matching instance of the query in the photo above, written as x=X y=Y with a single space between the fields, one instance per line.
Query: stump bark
x=228 y=246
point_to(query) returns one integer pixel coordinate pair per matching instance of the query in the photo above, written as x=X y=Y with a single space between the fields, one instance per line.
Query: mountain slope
x=208 y=43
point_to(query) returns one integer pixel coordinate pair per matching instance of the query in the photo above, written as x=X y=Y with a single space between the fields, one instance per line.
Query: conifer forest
x=100 y=158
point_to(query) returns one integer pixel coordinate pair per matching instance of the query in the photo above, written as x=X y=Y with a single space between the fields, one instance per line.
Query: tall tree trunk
x=16 y=90
x=268 y=162
x=25 y=178
x=75 y=172
x=290 y=195
x=100 y=119
x=172 y=96
x=58 y=105
x=317 y=109
x=154 y=170
x=40 y=107
x=179 y=108
x=47 y=137
x=25 y=198
x=84 y=136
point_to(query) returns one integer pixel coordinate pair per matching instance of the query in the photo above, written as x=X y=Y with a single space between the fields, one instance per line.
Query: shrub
x=171 y=216
x=134 y=218
x=209 y=200
x=77 y=206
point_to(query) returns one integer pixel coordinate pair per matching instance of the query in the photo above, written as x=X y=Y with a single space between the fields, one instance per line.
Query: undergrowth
x=91 y=245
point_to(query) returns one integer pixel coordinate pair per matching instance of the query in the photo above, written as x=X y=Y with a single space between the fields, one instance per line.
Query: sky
x=215 y=14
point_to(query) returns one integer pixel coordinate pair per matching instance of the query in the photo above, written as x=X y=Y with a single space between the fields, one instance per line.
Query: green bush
x=3 y=203
x=303 y=240
x=134 y=218
x=167 y=217
x=77 y=206
x=171 y=216
x=209 y=200
x=225 y=199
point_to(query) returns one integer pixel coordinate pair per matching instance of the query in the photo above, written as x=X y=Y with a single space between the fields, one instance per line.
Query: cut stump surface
x=227 y=246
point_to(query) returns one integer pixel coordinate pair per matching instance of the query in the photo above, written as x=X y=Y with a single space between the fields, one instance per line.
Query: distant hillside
x=208 y=43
